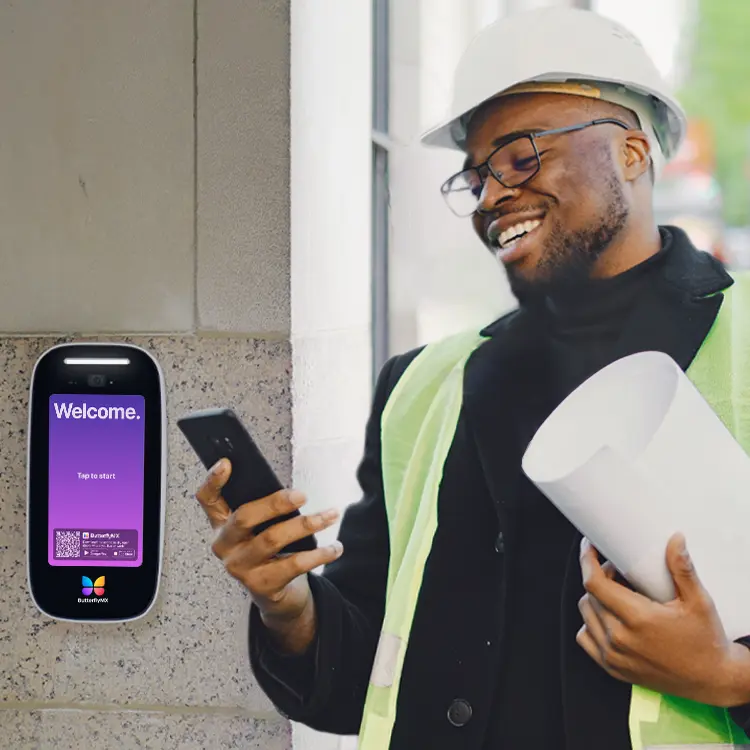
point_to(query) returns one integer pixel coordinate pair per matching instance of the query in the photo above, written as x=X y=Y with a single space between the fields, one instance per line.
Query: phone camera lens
x=97 y=381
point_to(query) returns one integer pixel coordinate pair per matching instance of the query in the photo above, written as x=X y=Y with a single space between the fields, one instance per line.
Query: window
x=380 y=192
x=440 y=279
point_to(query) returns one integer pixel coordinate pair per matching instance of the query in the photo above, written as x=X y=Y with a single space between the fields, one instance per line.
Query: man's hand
x=679 y=648
x=278 y=584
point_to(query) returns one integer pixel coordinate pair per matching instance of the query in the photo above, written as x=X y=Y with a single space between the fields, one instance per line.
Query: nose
x=493 y=194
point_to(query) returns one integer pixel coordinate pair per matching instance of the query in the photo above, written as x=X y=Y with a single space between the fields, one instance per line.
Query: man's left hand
x=679 y=648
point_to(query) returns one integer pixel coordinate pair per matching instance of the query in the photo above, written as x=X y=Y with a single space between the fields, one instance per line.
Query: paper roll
x=636 y=454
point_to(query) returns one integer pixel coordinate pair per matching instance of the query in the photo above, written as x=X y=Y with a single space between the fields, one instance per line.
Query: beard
x=568 y=257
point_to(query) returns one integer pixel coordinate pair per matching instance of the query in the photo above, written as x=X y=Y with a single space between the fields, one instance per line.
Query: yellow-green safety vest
x=417 y=428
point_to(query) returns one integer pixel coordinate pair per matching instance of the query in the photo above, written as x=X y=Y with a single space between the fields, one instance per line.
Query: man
x=463 y=610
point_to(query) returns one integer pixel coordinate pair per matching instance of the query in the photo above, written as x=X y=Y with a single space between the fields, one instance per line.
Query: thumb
x=681 y=567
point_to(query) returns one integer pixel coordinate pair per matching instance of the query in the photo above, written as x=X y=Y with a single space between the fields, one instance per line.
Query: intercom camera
x=96 y=477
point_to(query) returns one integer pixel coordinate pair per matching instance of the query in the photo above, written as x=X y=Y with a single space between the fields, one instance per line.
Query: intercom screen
x=96 y=472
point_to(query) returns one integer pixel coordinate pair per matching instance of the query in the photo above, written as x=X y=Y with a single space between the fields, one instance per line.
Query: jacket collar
x=677 y=314
x=692 y=272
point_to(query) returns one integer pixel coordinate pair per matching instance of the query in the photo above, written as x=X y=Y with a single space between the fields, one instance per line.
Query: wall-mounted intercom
x=96 y=476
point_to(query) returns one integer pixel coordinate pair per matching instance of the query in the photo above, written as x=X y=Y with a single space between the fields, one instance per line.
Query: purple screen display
x=96 y=459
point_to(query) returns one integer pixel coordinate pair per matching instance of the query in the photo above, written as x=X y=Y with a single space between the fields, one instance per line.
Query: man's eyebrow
x=502 y=140
x=515 y=134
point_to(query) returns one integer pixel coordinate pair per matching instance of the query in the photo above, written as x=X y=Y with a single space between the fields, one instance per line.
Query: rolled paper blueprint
x=636 y=454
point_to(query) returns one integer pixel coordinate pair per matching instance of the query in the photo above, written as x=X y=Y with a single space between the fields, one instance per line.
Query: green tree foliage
x=717 y=89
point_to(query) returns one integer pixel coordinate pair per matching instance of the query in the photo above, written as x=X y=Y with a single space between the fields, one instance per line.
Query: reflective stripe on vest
x=417 y=429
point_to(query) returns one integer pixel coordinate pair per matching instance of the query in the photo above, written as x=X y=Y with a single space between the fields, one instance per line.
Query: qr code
x=67 y=544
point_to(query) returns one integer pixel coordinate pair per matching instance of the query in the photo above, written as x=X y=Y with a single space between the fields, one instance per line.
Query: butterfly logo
x=97 y=586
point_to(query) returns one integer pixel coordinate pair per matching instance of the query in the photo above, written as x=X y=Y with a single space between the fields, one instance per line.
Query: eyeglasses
x=512 y=164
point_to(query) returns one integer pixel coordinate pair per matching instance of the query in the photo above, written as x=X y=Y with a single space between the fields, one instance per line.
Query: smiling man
x=572 y=221
x=460 y=609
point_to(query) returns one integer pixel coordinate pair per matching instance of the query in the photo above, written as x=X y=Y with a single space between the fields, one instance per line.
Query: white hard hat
x=566 y=50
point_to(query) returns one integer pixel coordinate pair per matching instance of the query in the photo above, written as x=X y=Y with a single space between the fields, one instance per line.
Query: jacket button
x=500 y=543
x=459 y=712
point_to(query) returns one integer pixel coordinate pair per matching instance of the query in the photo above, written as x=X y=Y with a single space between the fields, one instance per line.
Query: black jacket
x=452 y=664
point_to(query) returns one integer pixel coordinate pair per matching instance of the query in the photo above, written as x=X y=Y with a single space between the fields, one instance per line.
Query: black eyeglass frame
x=444 y=189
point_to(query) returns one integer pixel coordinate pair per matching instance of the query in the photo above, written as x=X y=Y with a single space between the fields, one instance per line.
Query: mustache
x=516 y=208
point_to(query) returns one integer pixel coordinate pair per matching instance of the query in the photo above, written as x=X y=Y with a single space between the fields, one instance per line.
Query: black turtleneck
x=577 y=332
x=583 y=325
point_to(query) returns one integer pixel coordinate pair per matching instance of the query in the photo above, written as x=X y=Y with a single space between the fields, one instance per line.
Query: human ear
x=636 y=155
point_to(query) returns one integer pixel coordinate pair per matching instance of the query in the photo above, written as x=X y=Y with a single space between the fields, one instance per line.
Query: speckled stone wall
x=178 y=678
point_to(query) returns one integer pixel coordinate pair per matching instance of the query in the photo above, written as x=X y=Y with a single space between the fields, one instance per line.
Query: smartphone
x=218 y=433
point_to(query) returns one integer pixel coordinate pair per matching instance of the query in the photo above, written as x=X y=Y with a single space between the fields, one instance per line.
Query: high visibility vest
x=417 y=428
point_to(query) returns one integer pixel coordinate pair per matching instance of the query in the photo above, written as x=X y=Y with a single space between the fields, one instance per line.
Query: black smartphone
x=218 y=433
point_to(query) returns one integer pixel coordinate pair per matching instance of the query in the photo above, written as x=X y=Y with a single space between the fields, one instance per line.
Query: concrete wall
x=143 y=194
x=97 y=170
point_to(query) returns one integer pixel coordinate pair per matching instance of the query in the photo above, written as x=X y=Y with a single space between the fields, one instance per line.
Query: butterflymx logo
x=88 y=587
x=97 y=586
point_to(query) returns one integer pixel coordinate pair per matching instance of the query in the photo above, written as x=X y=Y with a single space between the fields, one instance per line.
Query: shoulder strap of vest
x=412 y=426
x=740 y=299
x=721 y=369
x=400 y=365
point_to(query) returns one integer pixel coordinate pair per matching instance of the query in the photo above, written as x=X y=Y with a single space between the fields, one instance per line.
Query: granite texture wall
x=180 y=676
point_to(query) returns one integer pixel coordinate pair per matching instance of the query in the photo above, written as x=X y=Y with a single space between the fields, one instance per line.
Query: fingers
x=589 y=559
x=586 y=641
x=271 y=579
x=266 y=545
x=252 y=558
x=626 y=605
x=238 y=526
x=680 y=565
x=209 y=494
x=595 y=622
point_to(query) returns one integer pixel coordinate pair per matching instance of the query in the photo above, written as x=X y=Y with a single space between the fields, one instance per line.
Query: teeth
x=523 y=227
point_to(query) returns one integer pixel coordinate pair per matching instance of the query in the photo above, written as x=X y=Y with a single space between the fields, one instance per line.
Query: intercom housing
x=96 y=482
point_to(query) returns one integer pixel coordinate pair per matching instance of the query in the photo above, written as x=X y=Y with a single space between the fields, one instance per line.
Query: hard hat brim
x=444 y=134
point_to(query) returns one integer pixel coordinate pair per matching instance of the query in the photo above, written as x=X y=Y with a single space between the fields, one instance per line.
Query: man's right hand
x=278 y=584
